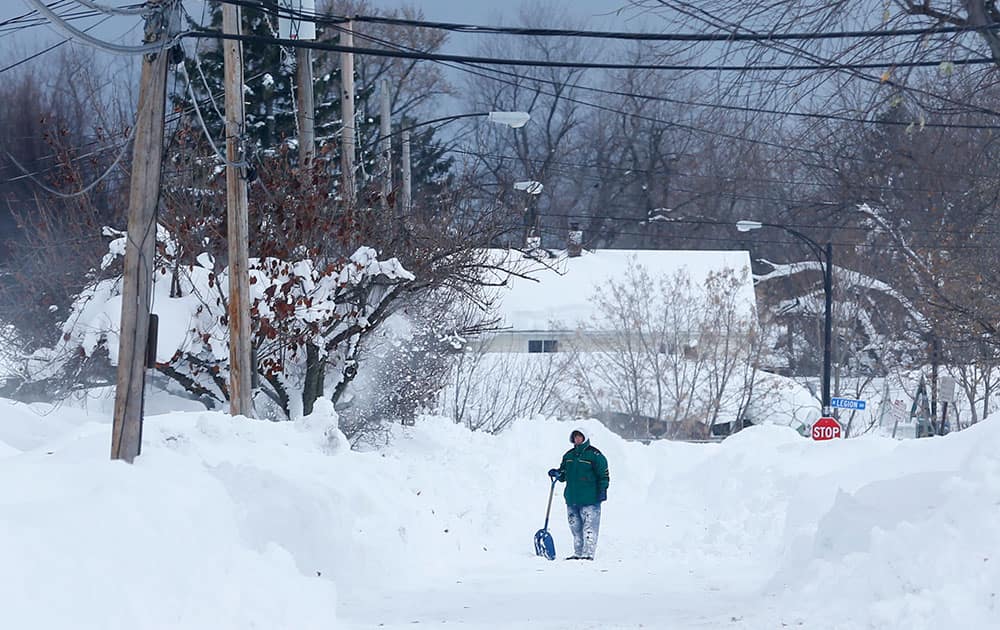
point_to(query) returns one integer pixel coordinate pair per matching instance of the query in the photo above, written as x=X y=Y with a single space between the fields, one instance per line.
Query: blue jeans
x=585 y=523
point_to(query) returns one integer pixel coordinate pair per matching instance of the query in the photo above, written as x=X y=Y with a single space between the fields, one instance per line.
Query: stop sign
x=826 y=429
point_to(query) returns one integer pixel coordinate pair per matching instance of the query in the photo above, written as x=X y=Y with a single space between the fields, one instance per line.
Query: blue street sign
x=847 y=403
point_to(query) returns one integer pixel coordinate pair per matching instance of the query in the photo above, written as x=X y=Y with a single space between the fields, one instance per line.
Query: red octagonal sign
x=826 y=429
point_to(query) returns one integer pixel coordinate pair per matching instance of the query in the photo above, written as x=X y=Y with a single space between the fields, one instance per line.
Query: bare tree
x=535 y=151
x=490 y=390
x=668 y=353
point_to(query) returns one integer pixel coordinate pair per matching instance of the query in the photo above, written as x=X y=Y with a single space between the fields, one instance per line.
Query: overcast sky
x=597 y=14
x=481 y=11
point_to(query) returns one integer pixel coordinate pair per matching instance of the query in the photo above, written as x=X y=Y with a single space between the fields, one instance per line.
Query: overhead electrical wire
x=19 y=24
x=580 y=65
x=734 y=36
x=681 y=174
x=796 y=52
x=478 y=71
x=82 y=36
x=138 y=9
x=293 y=43
x=919 y=124
x=49 y=49
x=737 y=238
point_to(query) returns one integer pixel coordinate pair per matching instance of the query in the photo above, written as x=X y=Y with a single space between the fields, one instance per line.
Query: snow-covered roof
x=558 y=293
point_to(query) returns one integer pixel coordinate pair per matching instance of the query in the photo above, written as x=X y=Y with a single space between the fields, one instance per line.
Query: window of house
x=543 y=345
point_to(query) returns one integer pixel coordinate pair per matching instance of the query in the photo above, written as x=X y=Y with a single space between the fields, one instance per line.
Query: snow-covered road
x=559 y=595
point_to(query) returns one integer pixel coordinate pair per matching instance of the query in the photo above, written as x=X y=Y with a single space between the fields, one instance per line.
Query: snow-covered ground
x=228 y=523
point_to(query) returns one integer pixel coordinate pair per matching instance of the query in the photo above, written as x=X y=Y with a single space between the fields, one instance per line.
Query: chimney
x=534 y=241
x=574 y=243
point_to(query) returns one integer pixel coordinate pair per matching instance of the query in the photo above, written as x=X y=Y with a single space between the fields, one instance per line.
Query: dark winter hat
x=576 y=432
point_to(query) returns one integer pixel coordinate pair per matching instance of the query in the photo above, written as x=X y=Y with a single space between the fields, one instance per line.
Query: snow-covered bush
x=294 y=305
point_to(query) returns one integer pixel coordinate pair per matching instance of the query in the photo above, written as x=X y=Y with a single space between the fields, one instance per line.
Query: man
x=585 y=471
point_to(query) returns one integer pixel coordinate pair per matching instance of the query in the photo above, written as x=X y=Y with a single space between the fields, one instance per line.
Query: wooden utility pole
x=240 y=368
x=347 y=142
x=407 y=175
x=306 y=107
x=137 y=286
x=385 y=130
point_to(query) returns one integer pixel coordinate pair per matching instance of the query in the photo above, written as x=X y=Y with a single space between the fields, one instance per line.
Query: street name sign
x=847 y=403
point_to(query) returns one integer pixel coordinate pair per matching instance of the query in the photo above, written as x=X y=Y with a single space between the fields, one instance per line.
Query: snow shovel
x=543 y=539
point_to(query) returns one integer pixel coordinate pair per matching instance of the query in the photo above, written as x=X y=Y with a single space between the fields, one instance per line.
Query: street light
x=825 y=257
x=530 y=186
x=514 y=120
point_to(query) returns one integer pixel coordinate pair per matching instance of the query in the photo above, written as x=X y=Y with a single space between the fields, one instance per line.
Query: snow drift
x=229 y=523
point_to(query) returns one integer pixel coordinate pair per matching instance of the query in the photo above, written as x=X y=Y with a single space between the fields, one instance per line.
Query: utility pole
x=137 y=286
x=306 y=108
x=347 y=113
x=240 y=368
x=827 y=326
x=385 y=130
x=935 y=360
x=407 y=175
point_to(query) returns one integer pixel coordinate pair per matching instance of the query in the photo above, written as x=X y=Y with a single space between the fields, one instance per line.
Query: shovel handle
x=552 y=490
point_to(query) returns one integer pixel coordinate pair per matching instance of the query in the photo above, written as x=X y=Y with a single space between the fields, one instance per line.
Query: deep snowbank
x=228 y=523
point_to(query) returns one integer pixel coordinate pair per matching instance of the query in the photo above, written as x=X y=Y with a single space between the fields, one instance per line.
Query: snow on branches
x=295 y=304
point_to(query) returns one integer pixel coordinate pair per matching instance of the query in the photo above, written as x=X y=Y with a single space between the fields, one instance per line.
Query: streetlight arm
x=444 y=119
x=824 y=255
x=818 y=250
x=511 y=119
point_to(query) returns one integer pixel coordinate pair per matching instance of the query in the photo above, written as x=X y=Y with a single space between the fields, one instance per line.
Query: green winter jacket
x=585 y=471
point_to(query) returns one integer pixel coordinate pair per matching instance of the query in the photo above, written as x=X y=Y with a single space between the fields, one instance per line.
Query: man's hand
x=602 y=496
x=556 y=474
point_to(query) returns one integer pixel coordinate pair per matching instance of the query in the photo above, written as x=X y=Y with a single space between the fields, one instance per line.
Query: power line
x=49 y=49
x=625 y=170
x=81 y=35
x=773 y=241
x=30 y=15
x=732 y=224
x=173 y=117
x=714 y=21
x=581 y=65
x=136 y=9
x=732 y=36
x=481 y=72
x=11 y=26
x=768 y=39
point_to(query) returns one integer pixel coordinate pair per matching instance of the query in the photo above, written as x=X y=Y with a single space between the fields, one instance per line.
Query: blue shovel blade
x=544 y=546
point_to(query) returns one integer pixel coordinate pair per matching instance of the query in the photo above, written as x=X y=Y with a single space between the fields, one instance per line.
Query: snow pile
x=93 y=544
x=229 y=523
x=910 y=540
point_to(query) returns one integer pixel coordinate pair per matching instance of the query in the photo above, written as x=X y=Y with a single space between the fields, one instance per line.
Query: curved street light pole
x=824 y=255
x=514 y=120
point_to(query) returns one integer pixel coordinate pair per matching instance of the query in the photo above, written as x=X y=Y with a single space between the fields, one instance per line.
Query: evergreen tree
x=270 y=80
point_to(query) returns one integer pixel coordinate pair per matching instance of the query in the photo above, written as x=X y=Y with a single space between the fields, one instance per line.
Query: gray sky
x=596 y=14
x=481 y=12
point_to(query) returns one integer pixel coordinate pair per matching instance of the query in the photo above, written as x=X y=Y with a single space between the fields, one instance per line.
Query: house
x=688 y=375
x=547 y=302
